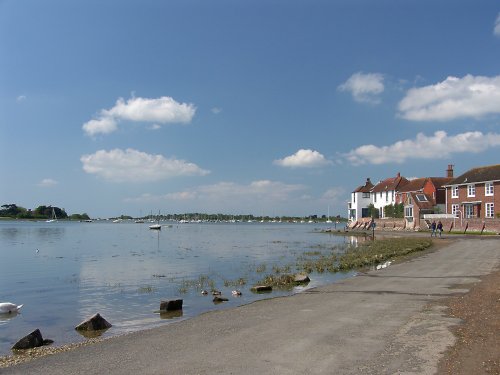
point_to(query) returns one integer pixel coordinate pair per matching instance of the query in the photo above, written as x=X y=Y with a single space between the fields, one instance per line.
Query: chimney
x=368 y=181
x=399 y=175
x=449 y=171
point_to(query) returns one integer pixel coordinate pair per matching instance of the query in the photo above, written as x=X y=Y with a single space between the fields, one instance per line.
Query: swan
x=7 y=308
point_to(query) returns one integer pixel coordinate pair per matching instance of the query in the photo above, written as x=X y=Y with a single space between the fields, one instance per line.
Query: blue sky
x=243 y=107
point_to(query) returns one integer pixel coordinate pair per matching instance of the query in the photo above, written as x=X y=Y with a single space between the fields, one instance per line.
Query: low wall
x=471 y=225
x=456 y=225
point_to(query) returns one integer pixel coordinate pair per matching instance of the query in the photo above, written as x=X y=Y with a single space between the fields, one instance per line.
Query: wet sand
x=396 y=320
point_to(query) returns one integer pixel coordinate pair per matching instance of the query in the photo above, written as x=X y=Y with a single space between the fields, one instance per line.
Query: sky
x=262 y=107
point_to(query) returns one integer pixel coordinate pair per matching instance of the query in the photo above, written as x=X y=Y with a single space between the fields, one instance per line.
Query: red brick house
x=475 y=194
x=422 y=196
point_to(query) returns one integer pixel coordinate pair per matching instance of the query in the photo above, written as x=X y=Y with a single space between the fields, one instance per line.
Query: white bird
x=236 y=293
x=8 y=308
x=379 y=266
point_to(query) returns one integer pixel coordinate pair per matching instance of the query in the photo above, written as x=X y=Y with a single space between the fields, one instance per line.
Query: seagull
x=8 y=308
x=236 y=293
x=379 y=267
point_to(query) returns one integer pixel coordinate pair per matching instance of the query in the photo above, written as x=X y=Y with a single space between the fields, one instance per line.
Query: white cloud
x=303 y=159
x=216 y=110
x=47 y=183
x=496 y=29
x=223 y=193
x=470 y=96
x=21 y=98
x=103 y=125
x=162 y=110
x=135 y=166
x=364 y=87
x=438 y=146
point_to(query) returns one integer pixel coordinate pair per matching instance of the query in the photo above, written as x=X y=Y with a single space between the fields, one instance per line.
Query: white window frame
x=488 y=189
x=471 y=190
x=469 y=211
x=409 y=211
x=454 y=191
x=490 y=210
x=455 y=209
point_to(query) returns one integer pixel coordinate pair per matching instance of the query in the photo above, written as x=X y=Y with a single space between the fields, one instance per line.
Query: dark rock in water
x=171 y=314
x=172 y=305
x=301 y=278
x=32 y=340
x=94 y=323
x=219 y=299
x=261 y=288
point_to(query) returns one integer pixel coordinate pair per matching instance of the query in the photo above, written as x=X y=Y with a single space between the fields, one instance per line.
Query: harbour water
x=64 y=272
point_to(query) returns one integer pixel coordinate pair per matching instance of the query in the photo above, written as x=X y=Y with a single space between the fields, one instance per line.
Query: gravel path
x=382 y=322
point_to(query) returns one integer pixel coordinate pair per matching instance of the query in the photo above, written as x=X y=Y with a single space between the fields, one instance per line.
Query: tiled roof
x=388 y=184
x=480 y=174
x=422 y=204
x=413 y=185
x=366 y=188
x=440 y=181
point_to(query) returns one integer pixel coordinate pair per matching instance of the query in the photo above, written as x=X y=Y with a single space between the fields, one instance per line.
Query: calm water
x=124 y=270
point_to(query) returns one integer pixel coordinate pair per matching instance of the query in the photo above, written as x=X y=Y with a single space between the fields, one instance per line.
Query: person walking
x=440 y=227
x=433 y=228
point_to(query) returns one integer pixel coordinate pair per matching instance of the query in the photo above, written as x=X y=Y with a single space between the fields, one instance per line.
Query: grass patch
x=378 y=251
x=364 y=255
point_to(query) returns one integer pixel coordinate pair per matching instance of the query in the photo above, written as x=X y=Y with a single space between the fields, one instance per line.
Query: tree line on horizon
x=41 y=212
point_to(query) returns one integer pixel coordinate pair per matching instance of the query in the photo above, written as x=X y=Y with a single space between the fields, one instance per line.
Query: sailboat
x=156 y=226
x=53 y=218
x=328 y=219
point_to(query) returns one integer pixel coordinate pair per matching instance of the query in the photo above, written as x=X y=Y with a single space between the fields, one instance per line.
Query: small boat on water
x=53 y=218
x=156 y=226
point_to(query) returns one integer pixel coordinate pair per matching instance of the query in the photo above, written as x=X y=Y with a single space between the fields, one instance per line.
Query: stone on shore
x=31 y=340
x=171 y=305
x=94 y=323
x=301 y=278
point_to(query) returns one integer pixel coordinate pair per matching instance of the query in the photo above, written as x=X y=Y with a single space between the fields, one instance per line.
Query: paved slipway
x=381 y=322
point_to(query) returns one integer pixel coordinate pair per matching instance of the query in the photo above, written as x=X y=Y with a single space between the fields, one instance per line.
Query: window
x=387 y=196
x=469 y=211
x=488 y=189
x=422 y=198
x=454 y=191
x=471 y=190
x=490 y=209
x=375 y=197
x=366 y=195
x=408 y=211
x=354 y=197
x=454 y=209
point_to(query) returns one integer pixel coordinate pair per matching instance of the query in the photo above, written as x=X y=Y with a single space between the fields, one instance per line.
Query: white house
x=384 y=193
x=357 y=208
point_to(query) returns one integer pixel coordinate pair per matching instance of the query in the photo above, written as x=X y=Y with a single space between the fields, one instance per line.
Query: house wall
x=479 y=210
x=358 y=203
x=380 y=201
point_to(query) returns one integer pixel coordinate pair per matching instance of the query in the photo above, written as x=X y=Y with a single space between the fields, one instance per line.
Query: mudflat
x=394 y=320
